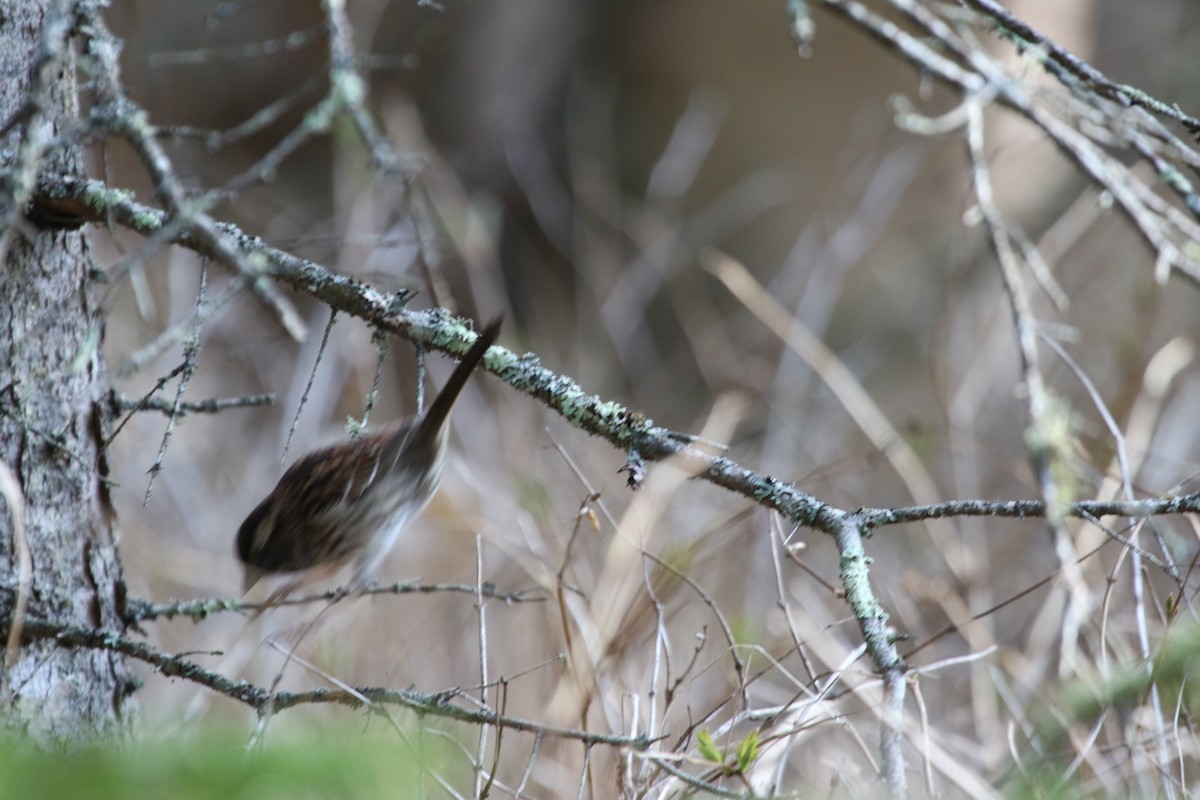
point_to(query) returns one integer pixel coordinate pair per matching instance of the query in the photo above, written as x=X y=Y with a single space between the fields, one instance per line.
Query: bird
x=346 y=504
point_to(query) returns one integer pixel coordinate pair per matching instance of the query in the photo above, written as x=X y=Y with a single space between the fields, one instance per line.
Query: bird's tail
x=439 y=409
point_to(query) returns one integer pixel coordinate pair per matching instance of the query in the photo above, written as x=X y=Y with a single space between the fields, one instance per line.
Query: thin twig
x=213 y=405
x=139 y=610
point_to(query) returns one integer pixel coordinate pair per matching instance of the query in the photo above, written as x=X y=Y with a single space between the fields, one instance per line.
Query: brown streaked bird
x=347 y=503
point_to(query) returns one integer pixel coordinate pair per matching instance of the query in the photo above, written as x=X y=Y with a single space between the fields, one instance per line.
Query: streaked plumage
x=347 y=503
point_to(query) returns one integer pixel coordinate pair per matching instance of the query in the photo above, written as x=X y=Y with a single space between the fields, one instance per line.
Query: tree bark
x=53 y=409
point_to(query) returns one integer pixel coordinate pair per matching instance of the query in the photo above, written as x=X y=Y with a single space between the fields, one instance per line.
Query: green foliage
x=1045 y=782
x=744 y=758
x=1080 y=703
x=708 y=748
x=747 y=752
x=337 y=763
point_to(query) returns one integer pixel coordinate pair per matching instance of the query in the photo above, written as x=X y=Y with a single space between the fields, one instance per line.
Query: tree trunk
x=53 y=410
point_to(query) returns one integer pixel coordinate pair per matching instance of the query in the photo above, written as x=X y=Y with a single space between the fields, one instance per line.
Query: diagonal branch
x=630 y=431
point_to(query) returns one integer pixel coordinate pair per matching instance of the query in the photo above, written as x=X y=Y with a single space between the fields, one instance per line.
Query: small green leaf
x=708 y=748
x=747 y=752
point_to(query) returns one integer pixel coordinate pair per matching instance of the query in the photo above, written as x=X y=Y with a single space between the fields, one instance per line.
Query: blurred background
x=579 y=162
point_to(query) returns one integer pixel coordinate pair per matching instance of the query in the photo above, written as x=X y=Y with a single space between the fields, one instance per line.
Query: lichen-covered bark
x=52 y=416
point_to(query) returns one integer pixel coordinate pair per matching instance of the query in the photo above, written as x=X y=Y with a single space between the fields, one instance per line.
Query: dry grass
x=874 y=365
